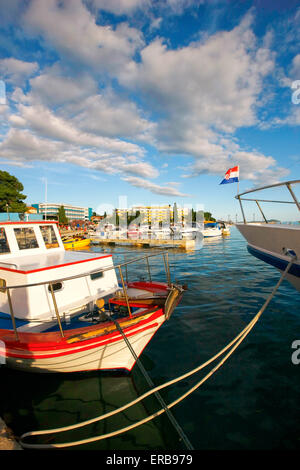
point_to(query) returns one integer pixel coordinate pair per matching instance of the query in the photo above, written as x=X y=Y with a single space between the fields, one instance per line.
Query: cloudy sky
x=150 y=101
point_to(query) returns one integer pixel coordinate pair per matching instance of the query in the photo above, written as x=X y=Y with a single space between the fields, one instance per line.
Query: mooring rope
x=151 y=384
x=233 y=345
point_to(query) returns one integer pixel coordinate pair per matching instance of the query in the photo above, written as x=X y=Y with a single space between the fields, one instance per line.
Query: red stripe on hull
x=79 y=349
x=36 y=348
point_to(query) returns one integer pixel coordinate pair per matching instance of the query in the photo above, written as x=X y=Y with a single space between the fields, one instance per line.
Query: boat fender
x=172 y=300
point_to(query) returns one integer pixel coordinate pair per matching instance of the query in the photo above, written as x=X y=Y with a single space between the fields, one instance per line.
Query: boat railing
x=5 y=288
x=9 y=264
x=287 y=184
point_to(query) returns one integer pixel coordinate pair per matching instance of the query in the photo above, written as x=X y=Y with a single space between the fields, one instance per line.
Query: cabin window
x=97 y=275
x=56 y=286
x=4 y=246
x=49 y=236
x=26 y=238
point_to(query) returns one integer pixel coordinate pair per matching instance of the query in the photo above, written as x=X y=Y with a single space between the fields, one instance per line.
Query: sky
x=109 y=103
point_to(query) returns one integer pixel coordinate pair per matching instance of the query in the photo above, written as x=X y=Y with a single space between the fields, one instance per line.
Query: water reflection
x=54 y=401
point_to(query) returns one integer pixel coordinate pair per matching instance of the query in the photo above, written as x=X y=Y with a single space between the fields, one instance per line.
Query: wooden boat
x=65 y=311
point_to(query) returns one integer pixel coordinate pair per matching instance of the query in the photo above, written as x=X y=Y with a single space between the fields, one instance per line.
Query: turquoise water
x=252 y=402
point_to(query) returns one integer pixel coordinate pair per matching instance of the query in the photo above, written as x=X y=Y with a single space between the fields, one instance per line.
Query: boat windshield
x=49 y=236
x=4 y=247
x=26 y=238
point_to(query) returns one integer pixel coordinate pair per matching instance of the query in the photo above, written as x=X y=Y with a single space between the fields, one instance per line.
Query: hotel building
x=151 y=215
x=50 y=211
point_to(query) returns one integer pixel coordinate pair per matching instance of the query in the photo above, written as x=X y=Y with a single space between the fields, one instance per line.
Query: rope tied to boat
x=230 y=347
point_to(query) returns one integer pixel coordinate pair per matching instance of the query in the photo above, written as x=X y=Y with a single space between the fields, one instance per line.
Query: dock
x=185 y=244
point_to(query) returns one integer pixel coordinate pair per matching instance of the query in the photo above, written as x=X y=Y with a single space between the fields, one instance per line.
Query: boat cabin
x=33 y=253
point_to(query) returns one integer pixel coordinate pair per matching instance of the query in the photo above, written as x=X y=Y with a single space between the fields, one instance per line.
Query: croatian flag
x=231 y=175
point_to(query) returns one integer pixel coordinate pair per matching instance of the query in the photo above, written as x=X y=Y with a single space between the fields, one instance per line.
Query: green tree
x=208 y=216
x=62 y=218
x=11 y=198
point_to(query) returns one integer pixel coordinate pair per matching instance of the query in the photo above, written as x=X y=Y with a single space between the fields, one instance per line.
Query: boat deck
x=42 y=261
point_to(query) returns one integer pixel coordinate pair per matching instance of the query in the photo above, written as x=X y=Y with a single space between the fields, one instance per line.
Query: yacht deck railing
x=288 y=185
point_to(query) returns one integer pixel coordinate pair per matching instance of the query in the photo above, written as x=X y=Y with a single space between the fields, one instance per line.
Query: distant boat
x=211 y=229
x=189 y=229
x=76 y=243
x=224 y=228
x=275 y=244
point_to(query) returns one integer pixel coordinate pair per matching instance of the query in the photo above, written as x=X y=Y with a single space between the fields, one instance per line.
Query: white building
x=157 y=214
x=50 y=210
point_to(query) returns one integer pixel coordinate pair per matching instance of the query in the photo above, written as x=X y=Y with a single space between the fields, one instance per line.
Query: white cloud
x=110 y=115
x=216 y=82
x=254 y=166
x=46 y=124
x=169 y=190
x=295 y=72
x=71 y=28
x=128 y=7
x=292 y=119
x=191 y=99
x=203 y=93
x=55 y=87
x=16 y=71
x=120 y=7
x=21 y=146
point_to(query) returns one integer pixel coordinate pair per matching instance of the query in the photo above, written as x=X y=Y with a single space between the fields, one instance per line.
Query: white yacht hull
x=211 y=232
x=270 y=242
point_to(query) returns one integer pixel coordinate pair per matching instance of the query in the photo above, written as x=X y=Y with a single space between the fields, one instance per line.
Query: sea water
x=251 y=402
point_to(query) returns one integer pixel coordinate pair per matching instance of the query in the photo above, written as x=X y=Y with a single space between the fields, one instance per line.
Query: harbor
x=207 y=318
x=184 y=244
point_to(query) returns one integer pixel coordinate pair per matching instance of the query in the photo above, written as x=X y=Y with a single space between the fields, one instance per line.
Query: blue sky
x=150 y=101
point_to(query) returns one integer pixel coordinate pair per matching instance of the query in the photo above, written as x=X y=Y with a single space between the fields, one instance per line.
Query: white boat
x=224 y=228
x=66 y=311
x=108 y=231
x=275 y=244
x=211 y=229
x=189 y=229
